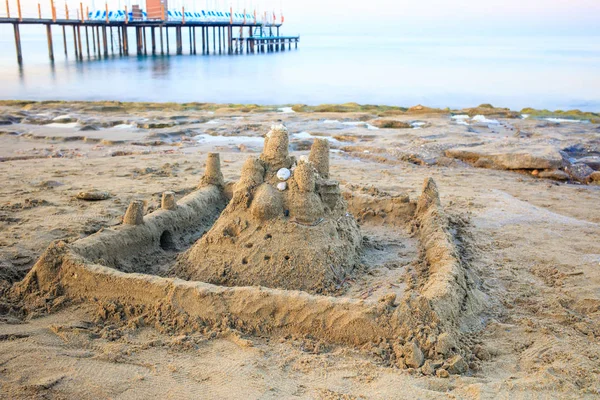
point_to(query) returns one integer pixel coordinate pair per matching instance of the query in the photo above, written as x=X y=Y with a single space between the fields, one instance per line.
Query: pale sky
x=493 y=16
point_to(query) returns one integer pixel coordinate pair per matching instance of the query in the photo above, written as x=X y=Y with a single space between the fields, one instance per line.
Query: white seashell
x=283 y=174
x=281 y=186
x=278 y=127
x=304 y=159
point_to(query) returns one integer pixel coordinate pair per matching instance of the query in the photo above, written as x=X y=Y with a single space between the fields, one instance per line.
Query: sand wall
x=124 y=247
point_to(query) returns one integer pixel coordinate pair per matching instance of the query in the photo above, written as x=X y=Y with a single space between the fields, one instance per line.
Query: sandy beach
x=521 y=190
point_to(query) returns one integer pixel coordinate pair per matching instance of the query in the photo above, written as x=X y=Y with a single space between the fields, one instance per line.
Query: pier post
x=94 y=40
x=219 y=32
x=214 y=41
x=194 y=34
x=98 y=40
x=50 y=47
x=18 y=43
x=52 y=9
x=203 y=40
x=167 y=38
x=162 y=49
x=120 y=40
x=105 y=41
x=19 y=10
x=145 y=43
x=75 y=42
x=179 y=38
x=251 y=40
x=39 y=11
x=125 y=41
x=79 y=45
x=153 y=39
x=87 y=41
x=112 y=41
x=190 y=39
x=65 y=39
x=138 y=40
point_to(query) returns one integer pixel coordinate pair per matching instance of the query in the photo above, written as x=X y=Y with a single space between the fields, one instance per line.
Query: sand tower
x=287 y=225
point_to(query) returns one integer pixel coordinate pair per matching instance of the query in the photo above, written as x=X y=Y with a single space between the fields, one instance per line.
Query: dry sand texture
x=522 y=249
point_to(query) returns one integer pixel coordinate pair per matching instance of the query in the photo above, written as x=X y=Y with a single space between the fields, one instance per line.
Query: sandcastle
x=263 y=253
x=287 y=225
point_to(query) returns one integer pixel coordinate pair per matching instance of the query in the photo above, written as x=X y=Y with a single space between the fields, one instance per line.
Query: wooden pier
x=104 y=37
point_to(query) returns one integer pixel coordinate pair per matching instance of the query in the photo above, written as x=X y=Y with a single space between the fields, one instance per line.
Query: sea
x=516 y=72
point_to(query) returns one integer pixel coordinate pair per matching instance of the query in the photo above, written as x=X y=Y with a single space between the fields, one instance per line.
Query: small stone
x=445 y=344
x=283 y=174
x=595 y=177
x=413 y=356
x=481 y=353
x=93 y=195
x=427 y=368
x=554 y=174
x=457 y=365
x=591 y=161
x=535 y=172
x=579 y=172
x=442 y=373
x=281 y=186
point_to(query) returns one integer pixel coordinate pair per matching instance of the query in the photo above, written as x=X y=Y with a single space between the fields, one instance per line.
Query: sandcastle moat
x=280 y=252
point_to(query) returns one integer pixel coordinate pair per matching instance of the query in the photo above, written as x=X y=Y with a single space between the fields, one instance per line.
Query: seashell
x=283 y=174
x=281 y=186
x=278 y=127
x=304 y=159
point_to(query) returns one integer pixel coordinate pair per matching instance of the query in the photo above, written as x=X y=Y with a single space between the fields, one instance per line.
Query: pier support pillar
x=18 y=43
x=75 y=42
x=79 y=45
x=194 y=35
x=120 y=40
x=153 y=40
x=144 y=43
x=87 y=41
x=94 y=40
x=105 y=41
x=162 y=48
x=64 y=29
x=138 y=40
x=50 y=46
x=125 y=41
x=179 y=38
x=214 y=40
x=167 y=38
x=203 y=39
x=190 y=39
x=98 y=40
x=219 y=34
x=112 y=41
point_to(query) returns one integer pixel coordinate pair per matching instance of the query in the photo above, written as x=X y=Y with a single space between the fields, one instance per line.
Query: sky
x=493 y=17
x=403 y=17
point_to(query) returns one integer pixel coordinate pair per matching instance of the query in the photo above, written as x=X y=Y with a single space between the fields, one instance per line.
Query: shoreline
x=377 y=109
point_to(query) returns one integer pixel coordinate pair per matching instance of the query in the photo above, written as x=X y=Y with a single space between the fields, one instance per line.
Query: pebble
x=281 y=186
x=93 y=195
x=283 y=174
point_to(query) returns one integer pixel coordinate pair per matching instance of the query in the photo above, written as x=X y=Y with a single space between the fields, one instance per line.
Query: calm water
x=554 y=73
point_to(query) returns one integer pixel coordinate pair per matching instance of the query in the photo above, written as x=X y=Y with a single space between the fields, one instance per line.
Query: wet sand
x=532 y=242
